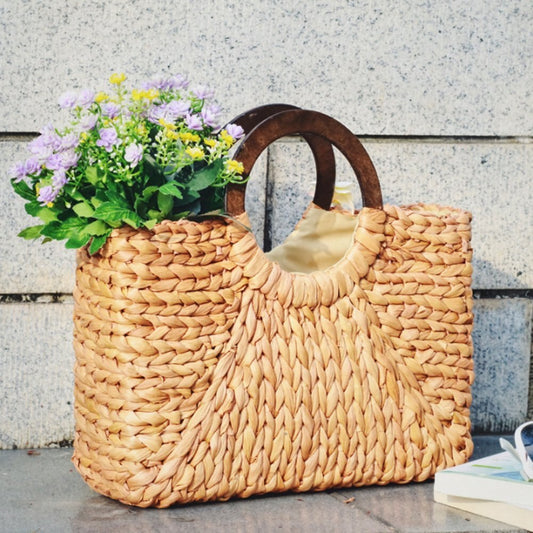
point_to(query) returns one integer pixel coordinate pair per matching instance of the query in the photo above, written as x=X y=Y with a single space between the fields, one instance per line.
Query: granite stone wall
x=439 y=93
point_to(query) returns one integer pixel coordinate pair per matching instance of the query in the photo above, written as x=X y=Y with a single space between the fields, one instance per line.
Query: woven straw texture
x=204 y=371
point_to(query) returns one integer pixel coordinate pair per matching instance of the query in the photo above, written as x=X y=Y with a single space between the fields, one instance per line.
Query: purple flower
x=69 y=141
x=44 y=145
x=40 y=150
x=86 y=98
x=67 y=100
x=69 y=159
x=110 y=110
x=133 y=154
x=165 y=84
x=32 y=166
x=178 y=82
x=194 y=122
x=210 y=116
x=155 y=113
x=54 y=162
x=108 y=138
x=176 y=109
x=59 y=179
x=47 y=194
x=18 y=171
x=155 y=83
x=170 y=112
x=88 y=123
x=202 y=92
x=235 y=131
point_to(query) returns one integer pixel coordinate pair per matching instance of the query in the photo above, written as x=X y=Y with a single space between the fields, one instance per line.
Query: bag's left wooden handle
x=322 y=152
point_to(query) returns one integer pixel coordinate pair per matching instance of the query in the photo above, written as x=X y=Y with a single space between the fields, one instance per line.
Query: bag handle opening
x=306 y=122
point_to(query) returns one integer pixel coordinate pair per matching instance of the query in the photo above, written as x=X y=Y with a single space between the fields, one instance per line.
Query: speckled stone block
x=491 y=180
x=27 y=266
x=502 y=345
x=430 y=68
x=36 y=374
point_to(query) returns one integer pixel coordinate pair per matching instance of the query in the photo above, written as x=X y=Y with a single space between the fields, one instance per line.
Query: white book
x=491 y=487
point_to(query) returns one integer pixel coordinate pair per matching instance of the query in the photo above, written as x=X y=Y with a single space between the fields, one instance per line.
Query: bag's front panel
x=286 y=382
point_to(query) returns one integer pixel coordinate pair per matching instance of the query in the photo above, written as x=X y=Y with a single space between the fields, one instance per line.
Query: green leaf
x=98 y=242
x=22 y=189
x=149 y=224
x=66 y=229
x=133 y=222
x=78 y=241
x=83 y=209
x=46 y=214
x=97 y=201
x=149 y=192
x=171 y=188
x=206 y=177
x=92 y=175
x=189 y=197
x=110 y=212
x=73 y=192
x=98 y=227
x=32 y=232
x=153 y=170
x=116 y=198
x=165 y=202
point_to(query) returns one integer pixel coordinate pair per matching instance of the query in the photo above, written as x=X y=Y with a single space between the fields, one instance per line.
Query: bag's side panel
x=420 y=287
x=309 y=394
x=152 y=316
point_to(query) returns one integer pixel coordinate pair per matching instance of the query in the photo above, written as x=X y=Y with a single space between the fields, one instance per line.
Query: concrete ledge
x=43 y=492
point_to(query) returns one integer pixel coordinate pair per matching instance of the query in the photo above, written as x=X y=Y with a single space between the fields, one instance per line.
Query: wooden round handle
x=306 y=122
x=322 y=150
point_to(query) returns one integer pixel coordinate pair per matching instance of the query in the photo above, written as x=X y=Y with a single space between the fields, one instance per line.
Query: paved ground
x=42 y=492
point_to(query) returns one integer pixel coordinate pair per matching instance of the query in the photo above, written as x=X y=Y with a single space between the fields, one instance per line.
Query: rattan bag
x=205 y=370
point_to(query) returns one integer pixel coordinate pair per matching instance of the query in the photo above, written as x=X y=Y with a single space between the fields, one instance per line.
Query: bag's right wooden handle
x=320 y=147
x=305 y=122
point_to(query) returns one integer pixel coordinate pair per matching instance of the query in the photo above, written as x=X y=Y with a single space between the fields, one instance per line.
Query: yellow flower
x=234 y=166
x=151 y=94
x=194 y=152
x=210 y=142
x=84 y=135
x=117 y=78
x=227 y=138
x=167 y=125
x=169 y=134
x=188 y=137
x=101 y=97
x=141 y=129
x=137 y=95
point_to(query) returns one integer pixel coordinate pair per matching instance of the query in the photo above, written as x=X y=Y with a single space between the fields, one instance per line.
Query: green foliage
x=100 y=173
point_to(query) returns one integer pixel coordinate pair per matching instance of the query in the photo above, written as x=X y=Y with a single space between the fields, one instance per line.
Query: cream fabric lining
x=319 y=240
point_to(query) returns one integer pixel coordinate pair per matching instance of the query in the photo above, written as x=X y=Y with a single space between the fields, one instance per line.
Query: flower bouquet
x=133 y=157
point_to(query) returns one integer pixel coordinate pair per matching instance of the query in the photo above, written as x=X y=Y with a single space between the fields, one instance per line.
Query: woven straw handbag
x=207 y=369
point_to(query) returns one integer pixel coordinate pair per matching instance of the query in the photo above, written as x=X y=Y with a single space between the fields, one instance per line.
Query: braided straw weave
x=205 y=371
